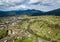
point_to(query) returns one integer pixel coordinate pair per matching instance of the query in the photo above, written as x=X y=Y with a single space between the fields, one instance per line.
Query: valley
x=30 y=28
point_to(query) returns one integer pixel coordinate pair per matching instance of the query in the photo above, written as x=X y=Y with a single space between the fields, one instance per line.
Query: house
x=9 y=32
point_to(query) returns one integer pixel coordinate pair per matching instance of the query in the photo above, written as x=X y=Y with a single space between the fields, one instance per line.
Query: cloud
x=43 y=5
x=10 y=2
x=21 y=7
x=33 y=1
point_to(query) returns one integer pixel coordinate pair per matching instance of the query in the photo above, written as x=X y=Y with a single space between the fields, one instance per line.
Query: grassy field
x=34 y=28
x=3 y=33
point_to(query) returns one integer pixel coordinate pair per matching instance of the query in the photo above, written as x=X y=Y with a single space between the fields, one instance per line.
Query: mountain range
x=31 y=12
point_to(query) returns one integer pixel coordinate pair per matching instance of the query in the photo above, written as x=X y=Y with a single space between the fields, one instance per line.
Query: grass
x=47 y=27
x=3 y=33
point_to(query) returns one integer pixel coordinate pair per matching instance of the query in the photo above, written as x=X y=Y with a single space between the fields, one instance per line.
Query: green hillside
x=33 y=28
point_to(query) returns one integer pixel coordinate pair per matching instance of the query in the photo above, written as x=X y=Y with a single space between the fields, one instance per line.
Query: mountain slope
x=29 y=12
x=20 y=12
x=54 y=12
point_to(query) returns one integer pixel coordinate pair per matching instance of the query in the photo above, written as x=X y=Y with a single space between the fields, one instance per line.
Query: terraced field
x=33 y=28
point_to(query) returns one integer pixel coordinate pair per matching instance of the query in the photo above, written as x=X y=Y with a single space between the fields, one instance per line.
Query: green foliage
x=24 y=24
x=3 y=33
x=45 y=27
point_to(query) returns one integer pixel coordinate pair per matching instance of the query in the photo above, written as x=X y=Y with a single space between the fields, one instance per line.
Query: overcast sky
x=43 y=5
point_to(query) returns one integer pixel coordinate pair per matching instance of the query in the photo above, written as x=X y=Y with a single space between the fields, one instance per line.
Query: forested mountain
x=29 y=12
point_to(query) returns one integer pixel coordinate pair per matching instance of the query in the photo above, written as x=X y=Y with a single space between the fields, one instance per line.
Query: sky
x=42 y=5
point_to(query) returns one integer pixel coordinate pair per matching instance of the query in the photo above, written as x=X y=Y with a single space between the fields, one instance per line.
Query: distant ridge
x=20 y=12
x=32 y=12
x=54 y=12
